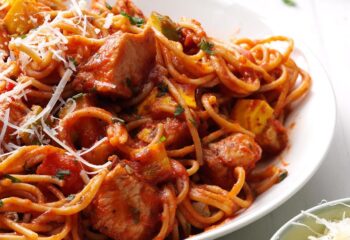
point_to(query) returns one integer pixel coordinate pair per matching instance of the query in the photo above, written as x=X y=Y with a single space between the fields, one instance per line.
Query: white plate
x=315 y=117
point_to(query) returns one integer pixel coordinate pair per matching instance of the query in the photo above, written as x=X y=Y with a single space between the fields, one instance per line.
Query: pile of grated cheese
x=339 y=230
x=46 y=38
x=335 y=230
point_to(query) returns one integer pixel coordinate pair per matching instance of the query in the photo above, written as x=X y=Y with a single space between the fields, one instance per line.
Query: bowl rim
x=301 y=215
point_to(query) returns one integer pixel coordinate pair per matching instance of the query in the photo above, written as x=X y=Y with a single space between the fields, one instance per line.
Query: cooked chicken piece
x=4 y=41
x=120 y=66
x=274 y=138
x=176 y=132
x=223 y=156
x=126 y=207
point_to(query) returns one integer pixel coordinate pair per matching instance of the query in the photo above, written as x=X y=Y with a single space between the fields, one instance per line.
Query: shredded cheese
x=335 y=230
x=55 y=96
x=48 y=131
x=4 y=126
x=95 y=145
x=15 y=91
x=108 y=21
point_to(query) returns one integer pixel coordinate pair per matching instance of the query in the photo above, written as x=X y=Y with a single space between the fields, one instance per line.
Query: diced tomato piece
x=55 y=164
x=9 y=86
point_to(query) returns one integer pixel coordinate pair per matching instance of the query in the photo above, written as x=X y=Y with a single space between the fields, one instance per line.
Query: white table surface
x=324 y=25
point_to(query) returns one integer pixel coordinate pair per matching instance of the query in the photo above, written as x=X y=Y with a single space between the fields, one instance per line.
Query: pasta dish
x=118 y=126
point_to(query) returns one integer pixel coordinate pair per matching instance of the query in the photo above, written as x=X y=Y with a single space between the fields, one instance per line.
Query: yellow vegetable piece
x=145 y=106
x=153 y=101
x=156 y=164
x=145 y=135
x=252 y=114
x=165 y=25
x=17 y=19
x=188 y=94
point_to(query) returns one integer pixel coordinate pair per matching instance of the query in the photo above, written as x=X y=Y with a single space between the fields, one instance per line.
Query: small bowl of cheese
x=327 y=221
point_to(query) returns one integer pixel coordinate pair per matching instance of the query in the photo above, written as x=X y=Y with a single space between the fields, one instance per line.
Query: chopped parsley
x=118 y=120
x=206 y=46
x=77 y=96
x=290 y=3
x=1 y=203
x=283 y=175
x=73 y=61
x=109 y=7
x=70 y=197
x=12 y=178
x=61 y=173
x=23 y=36
x=133 y=20
x=128 y=83
x=178 y=110
x=162 y=89
x=194 y=122
x=162 y=139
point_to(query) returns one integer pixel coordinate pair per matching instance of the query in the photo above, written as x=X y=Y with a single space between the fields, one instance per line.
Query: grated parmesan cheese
x=95 y=145
x=55 y=96
x=15 y=91
x=49 y=132
x=108 y=21
x=335 y=230
x=4 y=126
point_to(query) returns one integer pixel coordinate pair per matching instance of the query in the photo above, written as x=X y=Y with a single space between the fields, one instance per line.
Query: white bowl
x=331 y=211
x=314 y=118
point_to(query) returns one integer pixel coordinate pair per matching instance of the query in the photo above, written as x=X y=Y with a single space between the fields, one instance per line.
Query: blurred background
x=324 y=26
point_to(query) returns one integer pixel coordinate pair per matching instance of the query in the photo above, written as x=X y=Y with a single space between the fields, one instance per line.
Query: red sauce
x=57 y=162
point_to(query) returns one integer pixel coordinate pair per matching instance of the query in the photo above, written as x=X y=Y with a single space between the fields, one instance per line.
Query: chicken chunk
x=126 y=207
x=223 y=156
x=120 y=66
x=274 y=138
x=4 y=41
x=176 y=132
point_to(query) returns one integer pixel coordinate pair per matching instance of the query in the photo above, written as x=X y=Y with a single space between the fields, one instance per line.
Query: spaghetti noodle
x=118 y=126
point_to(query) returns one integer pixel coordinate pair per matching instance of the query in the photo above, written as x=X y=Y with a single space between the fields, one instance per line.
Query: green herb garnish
x=206 y=46
x=61 y=173
x=162 y=89
x=109 y=7
x=128 y=83
x=73 y=61
x=77 y=96
x=283 y=175
x=162 y=139
x=165 y=25
x=194 y=122
x=290 y=3
x=1 y=203
x=23 y=36
x=133 y=20
x=12 y=178
x=178 y=110
x=70 y=197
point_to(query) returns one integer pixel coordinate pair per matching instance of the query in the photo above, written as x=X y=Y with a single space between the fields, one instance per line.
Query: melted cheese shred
x=334 y=229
